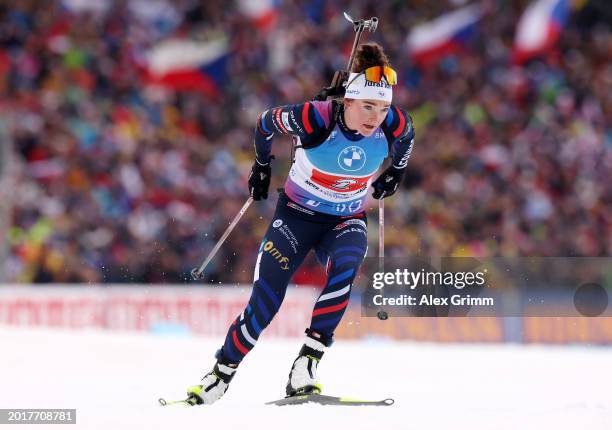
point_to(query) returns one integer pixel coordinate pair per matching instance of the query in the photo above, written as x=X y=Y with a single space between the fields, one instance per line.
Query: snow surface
x=114 y=379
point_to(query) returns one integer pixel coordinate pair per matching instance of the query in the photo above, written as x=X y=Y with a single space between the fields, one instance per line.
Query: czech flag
x=539 y=28
x=263 y=13
x=189 y=65
x=449 y=33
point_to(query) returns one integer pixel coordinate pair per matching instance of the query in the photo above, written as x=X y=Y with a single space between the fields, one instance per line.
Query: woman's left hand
x=387 y=183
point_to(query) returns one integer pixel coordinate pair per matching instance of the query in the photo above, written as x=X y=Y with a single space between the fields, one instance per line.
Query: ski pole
x=381 y=232
x=198 y=272
x=382 y=315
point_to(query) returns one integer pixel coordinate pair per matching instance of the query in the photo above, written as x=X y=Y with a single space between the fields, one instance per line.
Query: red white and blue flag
x=539 y=28
x=263 y=13
x=189 y=65
x=449 y=33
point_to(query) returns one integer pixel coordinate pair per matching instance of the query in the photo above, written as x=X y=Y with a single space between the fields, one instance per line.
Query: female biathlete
x=341 y=147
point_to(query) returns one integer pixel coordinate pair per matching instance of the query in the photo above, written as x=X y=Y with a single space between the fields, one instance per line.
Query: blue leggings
x=339 y=242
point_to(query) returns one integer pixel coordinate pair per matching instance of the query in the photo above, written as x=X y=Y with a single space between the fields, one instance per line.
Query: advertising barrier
x=209 y=311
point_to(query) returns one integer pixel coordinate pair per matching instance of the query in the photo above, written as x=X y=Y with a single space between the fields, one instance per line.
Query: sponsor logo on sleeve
x=404 y=160
x=285 y=120
x=278 y=123
x=294 y=122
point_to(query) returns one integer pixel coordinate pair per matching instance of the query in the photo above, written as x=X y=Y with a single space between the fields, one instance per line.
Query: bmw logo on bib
x=352 y=158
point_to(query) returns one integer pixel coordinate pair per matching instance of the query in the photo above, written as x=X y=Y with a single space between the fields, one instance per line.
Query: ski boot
x=214 y=384
x=303 y=375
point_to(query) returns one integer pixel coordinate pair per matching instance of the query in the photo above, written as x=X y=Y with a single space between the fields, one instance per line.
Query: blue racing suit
x=322 y=208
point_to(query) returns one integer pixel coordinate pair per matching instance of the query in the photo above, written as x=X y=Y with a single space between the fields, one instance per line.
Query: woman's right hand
x=259 y=180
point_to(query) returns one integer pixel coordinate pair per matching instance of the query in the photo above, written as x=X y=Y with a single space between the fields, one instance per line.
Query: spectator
x=121 y=182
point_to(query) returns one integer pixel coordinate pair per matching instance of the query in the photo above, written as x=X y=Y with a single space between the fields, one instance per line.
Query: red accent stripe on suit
x=401 y=125
x=329 y=309
x=305 y=119
x=240 y=347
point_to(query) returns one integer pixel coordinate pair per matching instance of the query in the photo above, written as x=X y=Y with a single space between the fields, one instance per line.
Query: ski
x=189 y=401
x=301 y=399
x=322 y=399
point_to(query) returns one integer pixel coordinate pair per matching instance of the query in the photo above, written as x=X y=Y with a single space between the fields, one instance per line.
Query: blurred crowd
x=113 y=180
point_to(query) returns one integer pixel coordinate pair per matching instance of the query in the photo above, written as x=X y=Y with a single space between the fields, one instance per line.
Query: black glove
x=386 y=184
x=259 y=180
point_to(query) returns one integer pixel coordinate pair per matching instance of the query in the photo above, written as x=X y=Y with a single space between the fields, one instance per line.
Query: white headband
x=361 y=89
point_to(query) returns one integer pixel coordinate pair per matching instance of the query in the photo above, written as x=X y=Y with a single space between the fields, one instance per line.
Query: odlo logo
x=270 y=249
